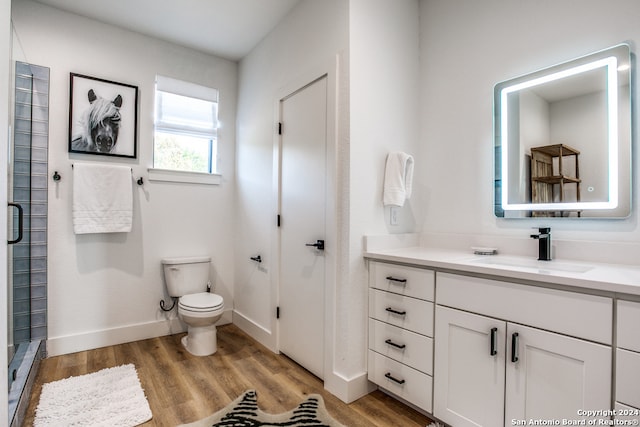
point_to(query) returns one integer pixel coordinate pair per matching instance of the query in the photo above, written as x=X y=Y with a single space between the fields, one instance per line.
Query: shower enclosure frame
x=27 y=252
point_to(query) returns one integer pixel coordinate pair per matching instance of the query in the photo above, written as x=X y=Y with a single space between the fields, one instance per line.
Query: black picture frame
x=103 y=117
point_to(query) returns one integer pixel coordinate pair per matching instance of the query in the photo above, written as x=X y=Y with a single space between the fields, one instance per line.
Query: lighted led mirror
x=563 y=139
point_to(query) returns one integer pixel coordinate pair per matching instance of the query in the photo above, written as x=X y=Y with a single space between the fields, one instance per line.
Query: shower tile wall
x=30 y=174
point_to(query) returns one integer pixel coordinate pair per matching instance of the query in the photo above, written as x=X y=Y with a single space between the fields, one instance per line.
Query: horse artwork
x=100 y=125
x=102 y=117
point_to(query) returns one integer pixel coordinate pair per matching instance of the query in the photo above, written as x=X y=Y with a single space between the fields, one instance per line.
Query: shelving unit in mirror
x=550 y=175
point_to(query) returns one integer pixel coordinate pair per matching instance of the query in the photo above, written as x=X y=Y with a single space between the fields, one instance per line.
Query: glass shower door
x=27 y=250
x=20 y=195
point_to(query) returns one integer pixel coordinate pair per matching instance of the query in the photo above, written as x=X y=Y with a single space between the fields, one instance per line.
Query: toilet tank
x=186 y=275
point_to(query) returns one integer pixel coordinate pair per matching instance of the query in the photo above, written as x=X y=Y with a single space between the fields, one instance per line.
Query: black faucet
x=544 y=243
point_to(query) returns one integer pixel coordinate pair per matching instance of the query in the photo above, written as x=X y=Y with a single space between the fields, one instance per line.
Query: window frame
x=190 y=90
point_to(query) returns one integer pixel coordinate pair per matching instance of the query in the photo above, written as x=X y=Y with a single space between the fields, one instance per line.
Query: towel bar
x=57 y=177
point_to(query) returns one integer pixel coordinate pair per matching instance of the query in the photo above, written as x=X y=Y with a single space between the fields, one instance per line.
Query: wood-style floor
x=182 y=388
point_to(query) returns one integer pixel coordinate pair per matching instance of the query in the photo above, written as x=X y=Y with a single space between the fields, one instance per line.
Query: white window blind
x=186 y=127
x=186 y=108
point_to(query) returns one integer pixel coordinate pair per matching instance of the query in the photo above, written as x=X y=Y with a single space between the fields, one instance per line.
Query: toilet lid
x=201 y=301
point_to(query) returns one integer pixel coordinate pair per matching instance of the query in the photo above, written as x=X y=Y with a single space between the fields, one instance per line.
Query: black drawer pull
x=514 y=347
x=494 y=342
x=395 y=279
x=395 y=380
x=399 y=313
x=391 y=343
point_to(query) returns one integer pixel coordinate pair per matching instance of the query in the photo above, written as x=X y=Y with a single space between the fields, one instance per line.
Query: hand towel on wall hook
x=398 y=179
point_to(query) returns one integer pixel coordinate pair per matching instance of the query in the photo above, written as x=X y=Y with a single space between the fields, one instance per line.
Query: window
x=186 y=125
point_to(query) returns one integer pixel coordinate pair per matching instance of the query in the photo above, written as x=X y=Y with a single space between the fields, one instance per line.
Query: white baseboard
x=106 y=337
x=348 y=389
x=255 y=331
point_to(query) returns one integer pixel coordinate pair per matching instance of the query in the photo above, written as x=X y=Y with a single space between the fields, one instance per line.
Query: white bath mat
x=110 y=397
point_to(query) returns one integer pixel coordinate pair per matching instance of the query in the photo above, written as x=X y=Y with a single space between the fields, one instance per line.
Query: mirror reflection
x=563 y=139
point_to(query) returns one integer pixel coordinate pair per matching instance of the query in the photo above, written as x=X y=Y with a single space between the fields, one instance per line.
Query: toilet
x=187 y=279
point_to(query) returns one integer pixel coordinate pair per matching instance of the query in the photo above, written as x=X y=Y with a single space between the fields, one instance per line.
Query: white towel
x=102 y=199
x=398 y=177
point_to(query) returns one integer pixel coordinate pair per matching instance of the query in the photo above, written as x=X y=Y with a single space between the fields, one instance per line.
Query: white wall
x=384 y=70
x=312 y=39
x=534 y=131
x=466 y=48
x=106 y=288
x=581 y=121
x=384 y=107
x=383 y=117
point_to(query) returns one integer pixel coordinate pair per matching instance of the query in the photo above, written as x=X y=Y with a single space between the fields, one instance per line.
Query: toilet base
x=201 y=340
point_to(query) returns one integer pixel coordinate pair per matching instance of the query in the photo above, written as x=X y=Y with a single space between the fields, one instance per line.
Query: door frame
x=328 y=69
x=6 y=77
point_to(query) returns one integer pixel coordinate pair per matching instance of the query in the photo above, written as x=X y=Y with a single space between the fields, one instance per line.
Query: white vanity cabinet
x=506 y=352
x=401 y=331
x=628 y=358
x=469 y=380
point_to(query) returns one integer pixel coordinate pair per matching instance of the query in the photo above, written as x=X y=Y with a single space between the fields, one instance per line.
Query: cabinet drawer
x=409 y=281
x=570 y=313
x=401 y=380
x=629 y=325
x=405 y=312
x=627 y=374
x=401 y=345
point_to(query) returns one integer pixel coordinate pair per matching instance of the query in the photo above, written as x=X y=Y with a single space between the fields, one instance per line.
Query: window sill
x=167 y=175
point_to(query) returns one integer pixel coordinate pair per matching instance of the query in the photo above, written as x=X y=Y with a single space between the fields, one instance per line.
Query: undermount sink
x=541 y=266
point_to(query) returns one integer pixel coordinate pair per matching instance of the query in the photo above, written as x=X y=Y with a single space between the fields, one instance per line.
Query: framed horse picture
x=103 y=117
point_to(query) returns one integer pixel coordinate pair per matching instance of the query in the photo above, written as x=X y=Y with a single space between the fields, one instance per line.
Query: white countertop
x=621 y=279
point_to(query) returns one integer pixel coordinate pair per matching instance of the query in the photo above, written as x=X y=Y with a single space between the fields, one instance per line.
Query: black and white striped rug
x=244 y=412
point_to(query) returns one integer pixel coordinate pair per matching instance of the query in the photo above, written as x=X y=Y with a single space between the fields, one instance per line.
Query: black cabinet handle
x=391 y=343
x=399 y=313
x=395 y=380
x=395 y=279
x=514 y=347
x=494 y=342
x=20 y=224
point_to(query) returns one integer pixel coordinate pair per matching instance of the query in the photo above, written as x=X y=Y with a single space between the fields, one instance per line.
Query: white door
x=468 y=369
x=554 y=376
x=303 y=115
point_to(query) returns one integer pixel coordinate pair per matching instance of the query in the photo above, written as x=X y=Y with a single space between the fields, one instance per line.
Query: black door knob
x=319 y=244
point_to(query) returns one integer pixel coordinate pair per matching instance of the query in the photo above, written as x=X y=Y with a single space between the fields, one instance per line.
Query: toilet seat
x=201 y=302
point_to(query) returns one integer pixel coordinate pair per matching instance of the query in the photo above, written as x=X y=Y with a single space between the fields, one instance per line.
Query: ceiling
x=585 y=83
x=225 y=28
